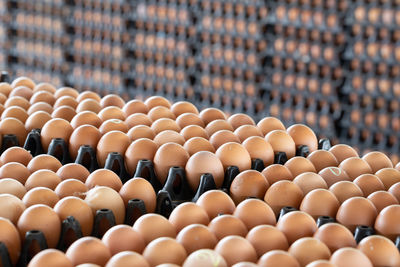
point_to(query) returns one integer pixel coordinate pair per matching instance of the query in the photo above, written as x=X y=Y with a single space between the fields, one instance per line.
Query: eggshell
x=138 y=119
x=55 y=128
x=163 y=159
x=377 y=160
x=14 y=126
x=320 y=202
x=16 y=154
x=197 y=144
x=160 y=112
x=218 y=125
x=5 y=88
x=265 y=238
x=10 y=237
x=382 y=199
x=113 y=125
x=277 y=258
x=186 y=119
x=43 y=218
x=88 y=105
x=141 y=131
x=309 y=181
x=277 y=172
x=342 y=152
x=50 y=257
x=155 y=101
x=239 y=119
x=37 y=120
x=15 y=112
x=45 y=178
x=303 y=135
x=235 y=249
x=296 y=224
x=15 y=170
x=13 y=187
x=66 y=101
x=335 y=236
x=44 y=162
x=344 y=257
x=181 y=107
x=196 y=236
x=293 y=193
x=111 y=112
x=356 y=211
x=42 y=96
x=259 y=148
x=369 y=183
x=11 y=207
x=247 y=131
x=73 y=170
x=142 y=148
x=169 y=136
x=245 y=264
x=221 y=137
x=123 y=238
x=71 y=187
x=40 y=106
x=193 y=131
x=164 y=250
x=247 y=210
x=114 y=141
x=344 y=190
x=354 y=167
x=249 y=183
x=298 y=165
x=68 y=91
x=165 y=124
x=17 y=101
x=135 y=106
x=394 y=190
x=139 y=188
x=40 y=195
x=281 y=142
x=322 y=159
x=269 y=124
x=43 y=86
x=79 y=209
x=208 y=199
x=104 y=177
x=3 y=98
x=204 y=257
x=127 y=258
x=380 y=251
x=152 y=226
x=22 y=91
x=210 y=114
x=88 y=250
x=23 y=81
x=112 y=100
x=186 y=214
x=320 y=263
x=388 y=176
x=102 y=197
x=234 y=154
x=301 y=247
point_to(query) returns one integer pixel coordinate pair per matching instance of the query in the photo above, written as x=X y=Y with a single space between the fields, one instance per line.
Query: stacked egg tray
x=371 y=88
x=302 y=62
x=228 y=48
x=178 y=188
x=4 y=18
x=37 y=39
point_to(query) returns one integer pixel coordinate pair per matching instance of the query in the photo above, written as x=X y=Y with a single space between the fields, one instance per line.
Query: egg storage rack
x=4 y=42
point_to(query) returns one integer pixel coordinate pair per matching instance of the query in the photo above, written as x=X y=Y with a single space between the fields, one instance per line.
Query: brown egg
x=388 y=177
x=66 y=101
x=208 y=199
x=193 y=131
x=104 y=177
x=187 y=119
x=42 y=96
x=236 y=249
x=377 y=160
x=369 y=183
x=84 y=135
x=163 y=159
x=11 y=207
x=335 y=236
x=64 y=112
x=43 y=218
x=247 y=131
x=135 y=106
x=303 y=135
x=169 y=136
x=301 y=247
x=40 y=195
x=386 y=222
x=205 y=257
x=73 y=170
x=298 y=165
x=87 y=95
x=281 y=142
x=197 y=144
x=5 y=88
x=40 y=106
x=3 y=98
x=114 y=141
x=234 y=154
x=102 y=197
x=269 y=124
x=249 y=183
x=55 y=128
x=296 y=224
x=211 y=114
x=142 y=148
x=68 y=91
x=141 y=131
x=255 y=212
x=123 y=238
x=240 y=119
x=342 y=152
x=277 y=172
x=356 y=211
x=265 y=238
x=14 y=126
x=15 y=154
x=395 y=190
x=181 y=107
x=79 y=209
x=155 y=101
x=273 y=196
x=88 y=250
x=322 y=159
x=113 y=125
x=188 y=213
x=44 y=162
x=152 y=226
x=50 y=257
x=164 y=124
x=382 y=199
x=218 y=125
x=332 y=175
x=88 y=105
x=164 y=250
x=43 y=86
x=259 y=148
x=320 y=202
x=277 y=258
x=138 y=119
x=17 y=101
x=9 y=236
x=344 y=190
x=127 y=258
x=15 y=170
x=139 y=188
x=44 y=178
x=223 y=136
x=227 y=225
x=15 y=112
x=37 y=120
x=112 y=100
x=160 y=112
x=309 y=181
x=22 y=91
x=344 y=257
x=196 y=236
x=111 y=112
x=380 y=250
x=71 y=187
x=320 y=263
x=13 y=187
x=354 y=167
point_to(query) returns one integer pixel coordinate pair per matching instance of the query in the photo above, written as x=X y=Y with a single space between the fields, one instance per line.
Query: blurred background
x=331 y=64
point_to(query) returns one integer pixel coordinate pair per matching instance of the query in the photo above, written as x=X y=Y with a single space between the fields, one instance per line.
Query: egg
x=235 y=249
x=395 y=190
x=388 y=177
x=5 y=88
x=309 y=181
x=296 y=224
x=127 y=258
x=210 y=114
x=354 y=167
x=42 y=218
x=10 y=237
x=23 y=81
x=22 y=91
x=139 y=188
x=42 y=96
x=40 y=106
x=234 y=154
x=322 y=159
x=182 y=107
x=344 y=190
x=15 y=112
x=113 y=125
x=369 y=183
x=160 y=112
x=382 y=199
x=88 y=250
x=380 y=250
x=66 y=101
x=301 y=247
x=44 y=161
x=14 y=126
x=139 y=149
x=112 y=100
x=88 y=105
x=247 y=131
x=205 y=257
x=155 y=101
x=40 y=195
x=123 y=238
x=187 y=119
x=298 y=165
x=208 y=199
x=17 y=101
x=37 y=120
x=138 y=119
x=15 y=154
x=259 y=148
x=79 y=209
x=281 y=142
x=196 y=236
x=277 y=172
x=273 y=196
x=193 y=131
x=277 y=258
x=320 y=202
x=227 y=225
x=239 y=119
x=350 y=257
x=114 y=141
x=164 y=250
x=11 y=207
x=265 y=238
x=249 y=183
x=50 y=257
x=152 y=226
x=141 y=131
x=169 y=136
x=13 y=187
x=68 y=91
x=45 y=178
x=135 y=106
x=332 y=175
x=15 y=170
x=303 y=135
x=335 y=236
x=43 y=86
x=111 y=112
x=356 y=211
x=186 y=214
x=71 y=187
x=73 y=170
x=342 y=152
x=55 y=128
x=102 y=197
x=218 y=125
x=165 y=124
x=269 y=124
x=197 y=144
x=377 y=160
